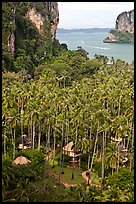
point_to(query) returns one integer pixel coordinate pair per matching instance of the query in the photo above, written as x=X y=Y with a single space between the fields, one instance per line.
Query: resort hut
x=68 y=150
x=21 y=160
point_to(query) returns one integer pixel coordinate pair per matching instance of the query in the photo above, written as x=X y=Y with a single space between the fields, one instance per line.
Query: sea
x=91 y=40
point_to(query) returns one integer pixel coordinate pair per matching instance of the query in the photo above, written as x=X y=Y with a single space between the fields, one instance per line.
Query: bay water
x=93 y=44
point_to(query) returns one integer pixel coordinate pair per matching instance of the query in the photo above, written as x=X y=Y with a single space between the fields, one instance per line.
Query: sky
x=91 y=14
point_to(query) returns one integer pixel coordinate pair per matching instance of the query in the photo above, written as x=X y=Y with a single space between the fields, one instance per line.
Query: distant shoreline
x=84 y=30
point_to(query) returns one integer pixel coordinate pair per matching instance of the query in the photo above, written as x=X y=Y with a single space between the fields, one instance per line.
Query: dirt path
x=67 y=185
x=61 y=180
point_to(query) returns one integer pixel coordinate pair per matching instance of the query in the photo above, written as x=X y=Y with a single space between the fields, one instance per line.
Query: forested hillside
x=65 y=97
x=28 y=34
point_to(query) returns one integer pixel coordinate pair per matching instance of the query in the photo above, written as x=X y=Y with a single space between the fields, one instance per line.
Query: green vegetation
x=67 y=176
x=97 y=106
x=62 y=98
x=124 y=37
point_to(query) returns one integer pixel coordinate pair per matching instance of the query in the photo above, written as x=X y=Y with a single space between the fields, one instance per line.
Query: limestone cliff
x=54 y=19
x=125 y=22
x=124 y=28
x=38 y=19
x=29 y=28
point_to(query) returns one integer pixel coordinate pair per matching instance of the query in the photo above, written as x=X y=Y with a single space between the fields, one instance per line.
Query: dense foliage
x=122 y=37
x=52 y=96
x=70 y=98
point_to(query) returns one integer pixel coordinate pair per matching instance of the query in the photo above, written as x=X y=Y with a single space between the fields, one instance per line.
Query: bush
x=6 y=161
x=83 y=166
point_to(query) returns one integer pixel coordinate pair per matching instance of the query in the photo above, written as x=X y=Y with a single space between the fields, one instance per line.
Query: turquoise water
x=93 y=44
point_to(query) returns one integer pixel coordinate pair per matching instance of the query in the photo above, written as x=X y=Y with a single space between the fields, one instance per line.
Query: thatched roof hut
x=68 y=149
x=21 y=160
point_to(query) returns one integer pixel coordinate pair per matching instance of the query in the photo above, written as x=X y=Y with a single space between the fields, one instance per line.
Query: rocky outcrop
x=54 y=19
x=124 y=29
x=11 y=43
x=44 y=17
x=36 y=18
x=28 y=34
x=11 y=37
x=125 y=22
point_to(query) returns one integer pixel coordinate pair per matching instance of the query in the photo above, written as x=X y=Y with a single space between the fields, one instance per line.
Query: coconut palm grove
x=67 y=127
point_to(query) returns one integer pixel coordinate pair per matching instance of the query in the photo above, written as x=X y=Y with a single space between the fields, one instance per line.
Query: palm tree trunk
x=79 y=169
x=54 y=144
x=48 y=140
x=132 y=130
x=97 y=150
x=31 y=130
x=44 y=171
x=61 y=155
x=33 y=139
x=117 y=157
x=74 y=152
x=130 y=164
x=5 y=145
x=103 y=148
x=22 y=122
x=76 y=135
x=14 y=143
x=39 y=136
x=28 y=131
x=105 y=139
x=89 y=156
x=93 y=153
x=94 y=147
x=68 y=131
x=67 y=128
x=64 y=82
x=5 y=133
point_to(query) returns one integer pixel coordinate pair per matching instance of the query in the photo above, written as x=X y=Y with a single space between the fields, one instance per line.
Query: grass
x=68 y=174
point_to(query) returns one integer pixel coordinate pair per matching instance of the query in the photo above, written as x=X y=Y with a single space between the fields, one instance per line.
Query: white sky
x=91 y=14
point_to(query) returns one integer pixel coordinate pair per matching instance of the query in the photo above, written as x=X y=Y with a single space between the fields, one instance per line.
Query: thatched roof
x=68 y=149
x=69 y=146
x=21 y=160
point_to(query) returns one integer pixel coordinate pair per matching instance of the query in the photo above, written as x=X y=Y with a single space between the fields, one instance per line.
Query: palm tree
x=74 y=149
x=103 y=155
x=96 y=139
x=13 y=122
x=39 y=135
x=111 y=156
x=89 y=156
x=62 y=154
x=132 y=147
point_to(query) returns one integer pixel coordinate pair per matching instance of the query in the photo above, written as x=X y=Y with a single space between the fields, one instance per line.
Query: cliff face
x=54 y=19
x=38 y=20
x=125 y=22
x=27 y=27
x=124 y=28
